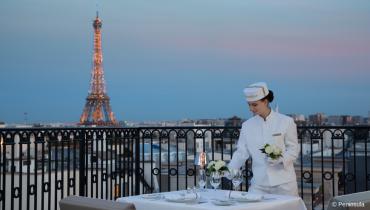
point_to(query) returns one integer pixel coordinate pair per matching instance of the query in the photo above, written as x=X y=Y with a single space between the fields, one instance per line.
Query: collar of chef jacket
x=269 y=117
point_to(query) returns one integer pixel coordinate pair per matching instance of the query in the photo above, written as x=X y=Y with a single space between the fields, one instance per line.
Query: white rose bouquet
x=272 y=151
x=218 y=165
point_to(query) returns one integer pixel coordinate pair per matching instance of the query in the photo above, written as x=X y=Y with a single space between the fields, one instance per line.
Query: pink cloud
x=242 y=44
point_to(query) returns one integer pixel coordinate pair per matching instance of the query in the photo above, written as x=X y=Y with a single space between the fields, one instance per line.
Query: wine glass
x=202 y=179
x=215 y=179
x=236 y=178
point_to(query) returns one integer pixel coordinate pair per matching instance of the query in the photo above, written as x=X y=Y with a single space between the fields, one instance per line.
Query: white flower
x=276 y=151
x=219 y=165
x=211 y=164
x=272 y=151
x=268 y=149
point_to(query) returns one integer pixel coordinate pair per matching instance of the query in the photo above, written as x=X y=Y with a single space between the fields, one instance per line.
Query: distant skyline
x=171 y=60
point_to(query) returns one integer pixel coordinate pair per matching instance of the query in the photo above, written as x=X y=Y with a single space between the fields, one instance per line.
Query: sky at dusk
x=172 y=59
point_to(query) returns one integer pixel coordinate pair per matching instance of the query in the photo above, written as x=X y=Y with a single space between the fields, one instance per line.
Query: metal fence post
x=137 y=161
x=82 y=156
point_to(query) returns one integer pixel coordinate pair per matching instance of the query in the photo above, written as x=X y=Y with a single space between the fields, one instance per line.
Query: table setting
x=201 y=198
x=212 y=199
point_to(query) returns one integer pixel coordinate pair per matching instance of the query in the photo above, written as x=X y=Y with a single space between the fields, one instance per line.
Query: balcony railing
x=40 y=166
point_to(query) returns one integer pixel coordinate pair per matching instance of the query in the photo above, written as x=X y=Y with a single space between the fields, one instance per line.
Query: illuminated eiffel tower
x=97 y=110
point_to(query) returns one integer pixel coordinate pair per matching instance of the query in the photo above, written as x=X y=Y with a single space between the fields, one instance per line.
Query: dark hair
x=269 y=97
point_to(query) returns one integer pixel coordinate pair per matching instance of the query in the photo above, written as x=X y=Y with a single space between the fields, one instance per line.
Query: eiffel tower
x=97 y=110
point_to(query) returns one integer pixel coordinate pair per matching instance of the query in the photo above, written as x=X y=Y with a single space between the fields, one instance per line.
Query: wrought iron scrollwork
x=327 y=175
x=156 y=171
x=190 y=172
x=173 y=172
x=46 y=187
x=32 y=189
x=141 y=171
x=71 y=182
x=59 y=184
x=94 y=178
x=349 y=177
x=16 y=192
x=307 y=175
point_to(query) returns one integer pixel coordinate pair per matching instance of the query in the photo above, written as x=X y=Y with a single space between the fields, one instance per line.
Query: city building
x=334 y=120
x=317 y=119
x=233 y=121
x=299 y=119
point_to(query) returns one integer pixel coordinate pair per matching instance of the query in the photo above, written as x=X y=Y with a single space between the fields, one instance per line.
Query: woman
x=275 y=176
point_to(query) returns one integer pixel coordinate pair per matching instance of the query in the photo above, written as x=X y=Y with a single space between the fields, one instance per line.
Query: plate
x=222 y=202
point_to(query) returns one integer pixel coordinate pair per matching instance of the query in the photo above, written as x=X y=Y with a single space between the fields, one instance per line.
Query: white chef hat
x=256 y=91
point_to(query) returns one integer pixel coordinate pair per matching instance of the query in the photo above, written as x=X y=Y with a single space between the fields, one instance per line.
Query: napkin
x=247 y=196
x=152 y=196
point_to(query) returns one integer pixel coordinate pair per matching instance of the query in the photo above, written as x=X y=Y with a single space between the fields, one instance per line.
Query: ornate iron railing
x=40 y=166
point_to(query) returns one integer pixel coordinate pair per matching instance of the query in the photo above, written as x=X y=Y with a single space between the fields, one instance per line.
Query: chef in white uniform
x=275 y=176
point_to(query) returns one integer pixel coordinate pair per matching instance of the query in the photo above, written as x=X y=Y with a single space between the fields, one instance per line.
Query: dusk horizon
x=184 y=60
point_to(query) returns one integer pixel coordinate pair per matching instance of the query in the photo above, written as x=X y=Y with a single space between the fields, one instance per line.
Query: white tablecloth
x=272 y=202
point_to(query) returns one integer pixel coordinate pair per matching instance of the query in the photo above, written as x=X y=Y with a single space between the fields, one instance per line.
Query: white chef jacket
x=277 y=129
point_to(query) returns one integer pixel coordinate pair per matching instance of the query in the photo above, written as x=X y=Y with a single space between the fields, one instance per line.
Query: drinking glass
x=215 y=179
x=237 y=178
x=202 y=179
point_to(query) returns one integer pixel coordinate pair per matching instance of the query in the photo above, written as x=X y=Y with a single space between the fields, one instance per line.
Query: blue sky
x=169 y=60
